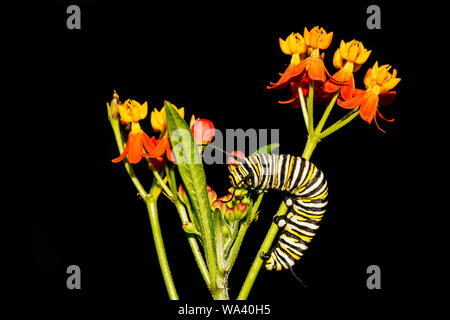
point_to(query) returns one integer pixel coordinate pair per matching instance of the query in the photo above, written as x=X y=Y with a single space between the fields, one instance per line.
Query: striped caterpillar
x=307 y=200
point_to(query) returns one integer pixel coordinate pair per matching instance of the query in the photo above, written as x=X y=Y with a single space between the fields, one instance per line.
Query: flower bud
x=203 y=131
x=240 y=210
x=182 y=194
x=229 y=215
x=247 y=200
x=212 y=195
x=219 y=205
x=188 y=227
x=113 y=109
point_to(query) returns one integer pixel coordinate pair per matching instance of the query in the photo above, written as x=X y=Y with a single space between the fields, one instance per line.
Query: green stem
x=221 y=290
x=326 y=114
x=311 y=145
x=264 y=249
x=310 y=105
x=241 y=234
x=303 y=105
x=193 y=243
x=161 y=183
x=159 y=245
x=340 y=123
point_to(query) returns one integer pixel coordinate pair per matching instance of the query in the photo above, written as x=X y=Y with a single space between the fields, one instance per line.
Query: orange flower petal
x=135 y=147
x=122 y=156
x=354 y=102
x=369 y=107
x=160 y=149
x=292 y=73
x=340 y=78
x=347 y=89
x=316 y=69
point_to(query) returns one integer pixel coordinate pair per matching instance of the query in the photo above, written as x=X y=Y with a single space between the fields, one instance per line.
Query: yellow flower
x=295 y=46
x=317 y=38
x=132 y=111
x=158 y=118
x=380 y=79
x=350 y=55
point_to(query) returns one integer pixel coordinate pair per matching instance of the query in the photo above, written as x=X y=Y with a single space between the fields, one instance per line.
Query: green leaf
x=189 y=164
x=267 y=149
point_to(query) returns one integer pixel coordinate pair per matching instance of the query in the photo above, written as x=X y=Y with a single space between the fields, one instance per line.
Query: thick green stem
x=220 y=292
x=159 y=245
x=311 y=144
x=264 y=249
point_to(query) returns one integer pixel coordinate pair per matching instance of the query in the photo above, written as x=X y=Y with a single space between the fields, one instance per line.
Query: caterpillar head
x=237 y=179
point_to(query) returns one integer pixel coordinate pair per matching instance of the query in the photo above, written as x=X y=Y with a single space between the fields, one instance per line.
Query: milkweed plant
x=215 y=227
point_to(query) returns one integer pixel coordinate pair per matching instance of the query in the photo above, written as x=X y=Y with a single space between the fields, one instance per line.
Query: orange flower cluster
x=140 y=145
x=307 y=65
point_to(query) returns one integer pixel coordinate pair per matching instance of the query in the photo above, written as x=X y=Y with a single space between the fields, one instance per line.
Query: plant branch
x=159 y=245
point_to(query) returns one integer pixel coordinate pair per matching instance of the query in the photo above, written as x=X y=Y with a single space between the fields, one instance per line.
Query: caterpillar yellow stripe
x=307 y=200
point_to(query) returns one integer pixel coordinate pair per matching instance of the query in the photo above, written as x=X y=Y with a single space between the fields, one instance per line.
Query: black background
x=215 y=60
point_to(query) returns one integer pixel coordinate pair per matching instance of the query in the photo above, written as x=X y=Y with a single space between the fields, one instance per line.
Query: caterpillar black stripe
x=307 y=200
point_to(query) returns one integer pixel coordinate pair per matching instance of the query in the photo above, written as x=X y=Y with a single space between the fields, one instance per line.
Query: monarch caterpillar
x=307 y=200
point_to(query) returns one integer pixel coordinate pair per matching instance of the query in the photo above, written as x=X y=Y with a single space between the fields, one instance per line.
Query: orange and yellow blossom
x=378 y=82
x=348 y=58
x=311 y=68
x=295 y=46
x=138 y=144
x=159 y=124
x=158 y=119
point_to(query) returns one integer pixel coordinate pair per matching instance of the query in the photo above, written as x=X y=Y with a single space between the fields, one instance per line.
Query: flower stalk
x=150 y=200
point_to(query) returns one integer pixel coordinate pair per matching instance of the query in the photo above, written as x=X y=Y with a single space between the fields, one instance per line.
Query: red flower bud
x=240 y=210
x=203 y=131
x=220 y=205
x=212 y=195
x=229 y=215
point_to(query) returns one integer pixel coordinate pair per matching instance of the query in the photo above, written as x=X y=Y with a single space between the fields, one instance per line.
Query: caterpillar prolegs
x=307 y=200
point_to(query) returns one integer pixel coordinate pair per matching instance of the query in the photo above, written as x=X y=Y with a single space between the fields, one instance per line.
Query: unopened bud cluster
x=232 y=208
